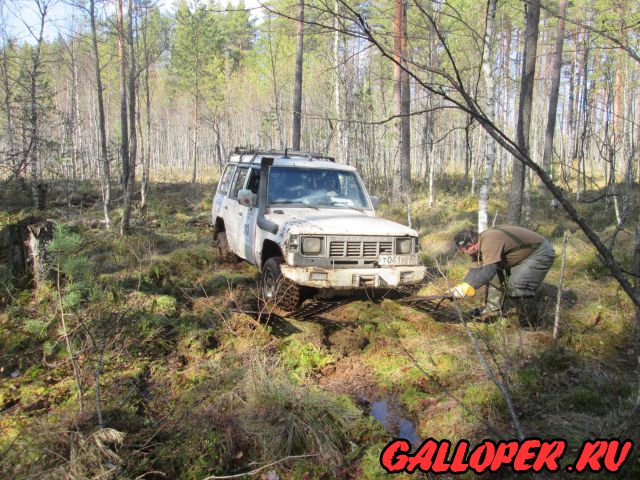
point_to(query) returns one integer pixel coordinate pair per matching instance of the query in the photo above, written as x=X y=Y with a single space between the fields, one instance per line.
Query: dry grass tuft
x=287 y=419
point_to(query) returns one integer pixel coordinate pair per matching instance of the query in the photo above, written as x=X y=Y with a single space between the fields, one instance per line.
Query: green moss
x=303 y=358
x=34 y=372
x=414 y=398
x=388 y=369
x=482 y=394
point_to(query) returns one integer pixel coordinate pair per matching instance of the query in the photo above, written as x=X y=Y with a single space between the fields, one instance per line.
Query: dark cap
x=465 y=237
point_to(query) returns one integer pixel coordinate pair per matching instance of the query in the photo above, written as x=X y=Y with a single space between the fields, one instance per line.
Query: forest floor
x=194 y=383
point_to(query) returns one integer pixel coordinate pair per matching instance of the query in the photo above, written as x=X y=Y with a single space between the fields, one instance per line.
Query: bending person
x=519 y=257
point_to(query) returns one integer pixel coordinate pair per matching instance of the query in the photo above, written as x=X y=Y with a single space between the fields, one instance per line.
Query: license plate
x=385 y=260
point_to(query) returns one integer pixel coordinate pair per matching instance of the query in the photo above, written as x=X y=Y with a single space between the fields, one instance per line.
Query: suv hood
x=334 y=221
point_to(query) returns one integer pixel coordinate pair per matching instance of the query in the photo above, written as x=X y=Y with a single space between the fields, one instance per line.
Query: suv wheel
x=224 y=252
x=277 y=290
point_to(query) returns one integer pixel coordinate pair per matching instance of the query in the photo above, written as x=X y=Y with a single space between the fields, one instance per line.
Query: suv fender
x=269 y=250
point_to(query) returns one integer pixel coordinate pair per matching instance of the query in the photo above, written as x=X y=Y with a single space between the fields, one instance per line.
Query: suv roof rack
x=254 y=152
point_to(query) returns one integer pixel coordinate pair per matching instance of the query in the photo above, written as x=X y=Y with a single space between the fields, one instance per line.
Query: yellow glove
x=462 y=290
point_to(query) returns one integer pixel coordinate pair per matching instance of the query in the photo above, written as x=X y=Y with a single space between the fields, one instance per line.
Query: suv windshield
x=316 y=187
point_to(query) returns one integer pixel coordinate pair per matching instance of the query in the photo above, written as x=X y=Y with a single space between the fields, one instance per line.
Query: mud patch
x=347 y=341
x=349 y=376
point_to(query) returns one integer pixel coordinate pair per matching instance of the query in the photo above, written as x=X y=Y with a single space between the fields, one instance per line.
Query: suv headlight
x=403 y=246
x=311 y=245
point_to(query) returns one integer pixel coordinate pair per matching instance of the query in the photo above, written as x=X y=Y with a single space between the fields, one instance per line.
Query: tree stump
x=23 y=262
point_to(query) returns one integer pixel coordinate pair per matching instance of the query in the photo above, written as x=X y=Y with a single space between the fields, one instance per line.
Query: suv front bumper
x=351 y=278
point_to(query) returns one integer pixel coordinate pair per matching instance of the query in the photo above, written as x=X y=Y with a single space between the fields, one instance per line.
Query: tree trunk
x=297 y=90
x=574 y=90
x=11 y=149
x=490 y=156
x=106 y=169
x=38 y=189
x=524 y=108
x=337 y=65
x=130 y=182
x=405 y=111
x=402 y=103
x=147 y=98
x=195 y=140
x=584 y=111
x=615 y=144
x=122 y=71
x=507 y=90
x=556 y=70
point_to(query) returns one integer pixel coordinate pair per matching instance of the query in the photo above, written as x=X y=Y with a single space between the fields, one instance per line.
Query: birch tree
x=490 y=156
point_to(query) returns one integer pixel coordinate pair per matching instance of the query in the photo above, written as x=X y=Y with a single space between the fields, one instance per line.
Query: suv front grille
x=360 y=249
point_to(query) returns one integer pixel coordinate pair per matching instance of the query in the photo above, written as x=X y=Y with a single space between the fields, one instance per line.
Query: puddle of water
x=387 y=411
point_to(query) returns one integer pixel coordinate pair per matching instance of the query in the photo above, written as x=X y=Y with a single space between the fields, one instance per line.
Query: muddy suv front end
x=351 y=262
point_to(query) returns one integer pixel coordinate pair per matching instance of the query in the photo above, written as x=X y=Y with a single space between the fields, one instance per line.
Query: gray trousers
x=525 y=278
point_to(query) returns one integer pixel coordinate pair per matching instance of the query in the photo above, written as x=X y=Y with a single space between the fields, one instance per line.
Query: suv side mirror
x=375 y=201
x=247 y=198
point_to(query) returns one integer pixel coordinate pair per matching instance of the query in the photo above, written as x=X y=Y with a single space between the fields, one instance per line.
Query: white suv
x=310 y=227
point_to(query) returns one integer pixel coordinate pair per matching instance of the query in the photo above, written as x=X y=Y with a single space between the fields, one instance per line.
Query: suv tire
x=276 y=290
x=224 y=252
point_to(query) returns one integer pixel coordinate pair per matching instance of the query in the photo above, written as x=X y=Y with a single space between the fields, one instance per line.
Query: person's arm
x=474 y=279
x=477 y=277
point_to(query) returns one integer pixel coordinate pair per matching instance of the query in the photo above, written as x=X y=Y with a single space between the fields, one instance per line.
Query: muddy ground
x=178 y=346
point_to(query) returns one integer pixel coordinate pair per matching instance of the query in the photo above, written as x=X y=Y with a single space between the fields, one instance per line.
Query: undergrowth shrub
x=286 y=419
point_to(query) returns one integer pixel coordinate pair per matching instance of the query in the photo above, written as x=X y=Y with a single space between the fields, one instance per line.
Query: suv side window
x=254 y=180
x=225 y=180
x=238 y=184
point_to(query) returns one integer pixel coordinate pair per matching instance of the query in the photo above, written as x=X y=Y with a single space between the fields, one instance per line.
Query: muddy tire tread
x=288 y=295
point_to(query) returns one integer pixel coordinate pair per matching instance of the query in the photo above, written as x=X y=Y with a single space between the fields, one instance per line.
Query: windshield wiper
x=291 y=202
x=342 y=204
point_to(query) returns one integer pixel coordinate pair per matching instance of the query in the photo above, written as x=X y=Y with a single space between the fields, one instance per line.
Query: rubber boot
x=494 y=302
